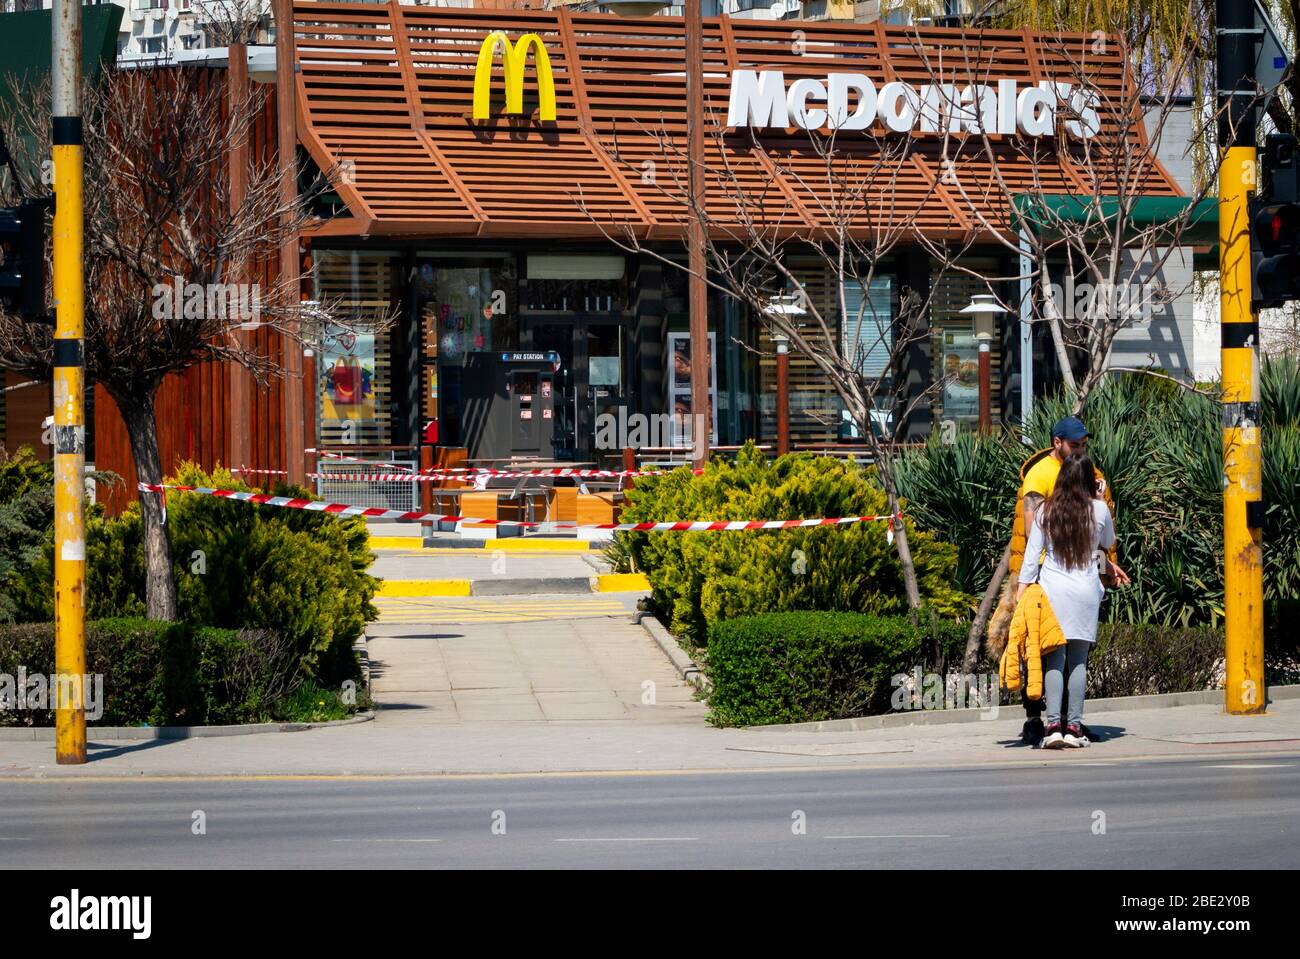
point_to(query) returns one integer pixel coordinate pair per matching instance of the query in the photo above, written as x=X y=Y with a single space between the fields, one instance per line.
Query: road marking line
x=636 y=839
x=1252 y=766
x=472 y=620
x=920 y=836
x=385 y=840
x=494 y=607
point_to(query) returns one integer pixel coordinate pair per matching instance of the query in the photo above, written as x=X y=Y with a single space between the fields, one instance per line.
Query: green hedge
x=700 y=579
x=166 y=674
x=301 y=575
x=1144 y=660
x=809 y=666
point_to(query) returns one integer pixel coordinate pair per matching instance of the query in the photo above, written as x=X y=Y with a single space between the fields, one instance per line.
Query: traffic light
x=22 y=258
x=1275 y=227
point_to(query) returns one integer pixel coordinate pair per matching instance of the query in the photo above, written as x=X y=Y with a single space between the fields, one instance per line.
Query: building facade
x=477 y=220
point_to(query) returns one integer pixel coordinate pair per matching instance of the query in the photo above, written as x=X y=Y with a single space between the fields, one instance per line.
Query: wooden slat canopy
x=385 y=93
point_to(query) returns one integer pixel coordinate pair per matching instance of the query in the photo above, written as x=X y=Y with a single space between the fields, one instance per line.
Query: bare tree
x=776 y=216
x=234 y=21
x=162 y=236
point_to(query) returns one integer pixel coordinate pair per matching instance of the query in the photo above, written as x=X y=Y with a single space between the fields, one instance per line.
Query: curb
x=397 y=588
x=685 y=666
x=511 y=544
x=362 y=648
x=95 y=733
x=938 y=717
x=530 y=586
x=395 y=542
x=620 y=583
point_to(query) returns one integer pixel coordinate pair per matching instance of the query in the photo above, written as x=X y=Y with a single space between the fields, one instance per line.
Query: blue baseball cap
x=1070 y=428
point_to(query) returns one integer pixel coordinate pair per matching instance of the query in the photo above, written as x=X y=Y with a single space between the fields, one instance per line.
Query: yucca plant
x=1161 y=449
x=966 y=491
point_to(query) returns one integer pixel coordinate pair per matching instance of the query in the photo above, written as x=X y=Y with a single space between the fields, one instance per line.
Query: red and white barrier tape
x=443 y=475
x=405 y=474
x=339 y=509
x=328 y=454
x=245 y=469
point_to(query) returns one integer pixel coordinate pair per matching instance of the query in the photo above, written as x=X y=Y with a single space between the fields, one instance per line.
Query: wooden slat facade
x=193 y=406
x=388 y=89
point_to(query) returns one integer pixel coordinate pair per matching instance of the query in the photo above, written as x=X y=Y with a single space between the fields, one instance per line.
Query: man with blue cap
x=1037 y=480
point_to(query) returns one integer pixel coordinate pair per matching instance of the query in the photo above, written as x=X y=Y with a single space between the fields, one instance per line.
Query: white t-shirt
x=1075 y=594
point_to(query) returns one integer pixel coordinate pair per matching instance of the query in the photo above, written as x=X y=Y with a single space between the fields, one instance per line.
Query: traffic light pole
x=1243 y=581
x=69 y=389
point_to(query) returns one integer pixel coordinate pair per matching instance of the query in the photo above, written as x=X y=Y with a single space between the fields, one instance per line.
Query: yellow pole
x=1243 y=569
x=69 y=389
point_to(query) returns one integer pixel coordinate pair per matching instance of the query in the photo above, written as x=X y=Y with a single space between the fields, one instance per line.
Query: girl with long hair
x=1062 y=556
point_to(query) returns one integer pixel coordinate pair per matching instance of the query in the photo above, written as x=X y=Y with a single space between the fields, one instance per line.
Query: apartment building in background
x=168 y=30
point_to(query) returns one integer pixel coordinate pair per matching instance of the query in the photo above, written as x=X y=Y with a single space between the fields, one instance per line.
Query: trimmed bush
x=26 y=527
x=808 y=666
x=301 y=575
x=165 y=674
x=701 y=579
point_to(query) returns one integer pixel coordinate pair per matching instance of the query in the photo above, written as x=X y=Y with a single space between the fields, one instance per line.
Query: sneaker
x=1052 y=738
x=1032 y=733
x=1074 y=736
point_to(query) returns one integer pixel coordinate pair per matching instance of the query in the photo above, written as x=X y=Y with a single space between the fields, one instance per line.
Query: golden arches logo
x=514 y=58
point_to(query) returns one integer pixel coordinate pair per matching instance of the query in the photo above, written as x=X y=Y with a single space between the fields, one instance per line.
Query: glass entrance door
x=559 y=337
x=606 y=369
x=592 y=378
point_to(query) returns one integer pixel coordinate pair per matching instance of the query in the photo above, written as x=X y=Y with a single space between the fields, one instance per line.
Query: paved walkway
x=438 y=611
x=521 y=659
x=386 y=747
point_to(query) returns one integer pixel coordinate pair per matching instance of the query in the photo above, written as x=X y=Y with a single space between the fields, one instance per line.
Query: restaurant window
x=354 y=365
x=576 y=283
x=867 y=335
x=817 y=414
x=955 y=351
x=466 y=304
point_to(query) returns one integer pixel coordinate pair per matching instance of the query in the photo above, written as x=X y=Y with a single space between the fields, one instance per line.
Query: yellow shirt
x=1041 y=478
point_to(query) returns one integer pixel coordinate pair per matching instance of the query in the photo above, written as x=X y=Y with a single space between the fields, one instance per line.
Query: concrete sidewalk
x=531 y=659
x=1201 y=733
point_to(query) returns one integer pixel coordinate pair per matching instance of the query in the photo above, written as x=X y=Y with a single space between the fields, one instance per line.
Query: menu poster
x=347 y=375
x=679 y=386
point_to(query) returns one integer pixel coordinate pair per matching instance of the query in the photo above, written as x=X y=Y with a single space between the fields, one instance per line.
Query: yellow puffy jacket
x=1034 y=631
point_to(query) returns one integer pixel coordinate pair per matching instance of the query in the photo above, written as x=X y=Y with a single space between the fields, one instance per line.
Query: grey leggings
x=1074 y=656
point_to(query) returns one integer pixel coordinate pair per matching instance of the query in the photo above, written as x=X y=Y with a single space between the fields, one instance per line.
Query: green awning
x=25 y=45
x=1043 y=213
x=26 y=39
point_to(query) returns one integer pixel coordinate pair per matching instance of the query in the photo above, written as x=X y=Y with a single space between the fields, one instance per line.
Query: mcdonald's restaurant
x=503 y=187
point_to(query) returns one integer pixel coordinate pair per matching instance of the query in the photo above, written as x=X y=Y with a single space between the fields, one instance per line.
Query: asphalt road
x=1202 y=813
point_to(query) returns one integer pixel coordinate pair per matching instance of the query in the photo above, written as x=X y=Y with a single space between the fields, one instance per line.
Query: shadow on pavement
x=97 y=751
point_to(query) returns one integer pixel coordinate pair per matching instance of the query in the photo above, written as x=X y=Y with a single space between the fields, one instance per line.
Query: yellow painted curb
x=515 y=543
x=396 y=542
x=392 y=588
x=622 y=583
x=509 y=544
